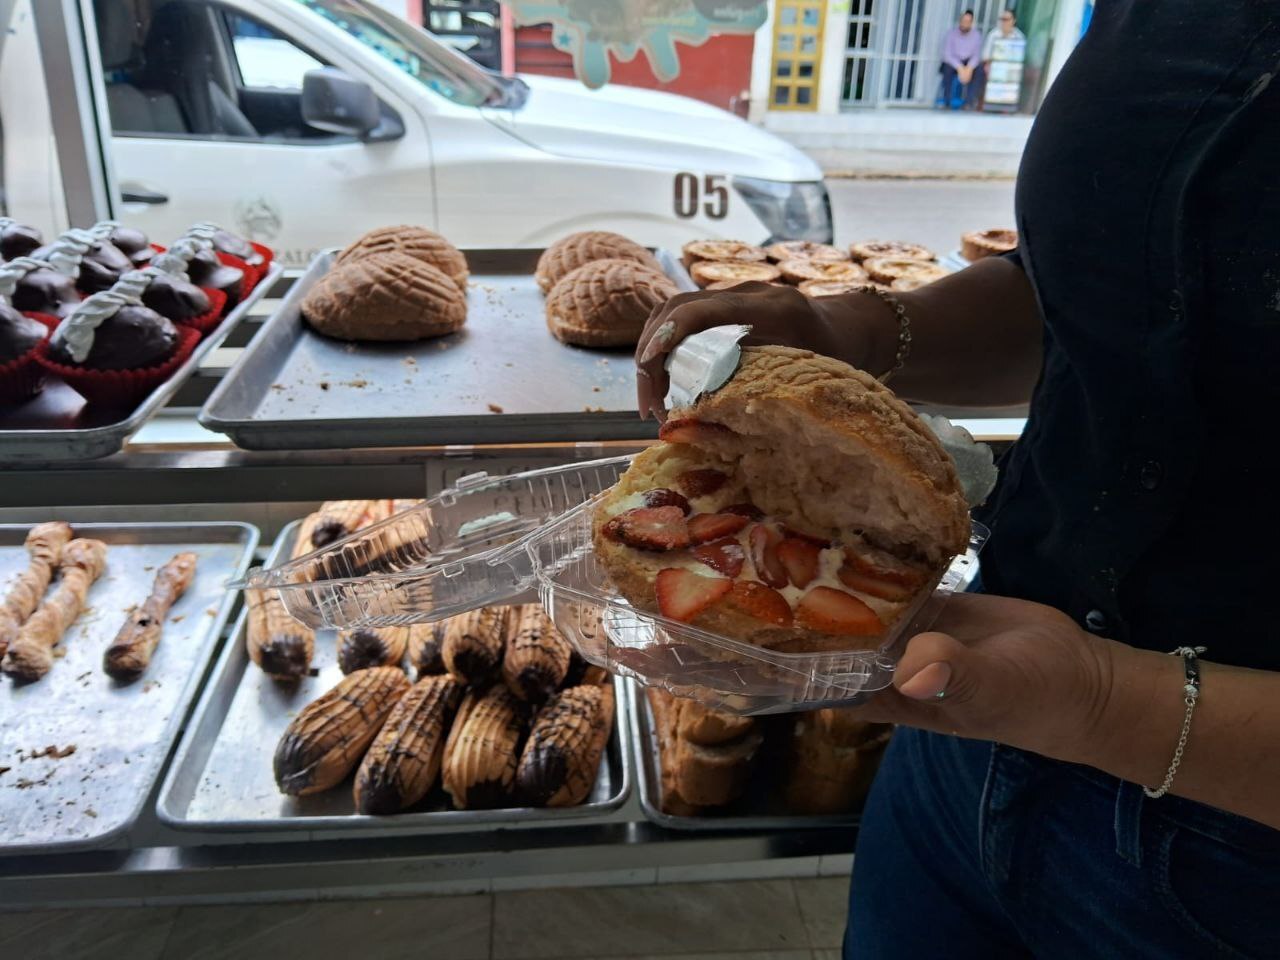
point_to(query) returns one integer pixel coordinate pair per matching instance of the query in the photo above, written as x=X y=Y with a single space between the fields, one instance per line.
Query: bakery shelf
x=502 y=379
x=57 y=425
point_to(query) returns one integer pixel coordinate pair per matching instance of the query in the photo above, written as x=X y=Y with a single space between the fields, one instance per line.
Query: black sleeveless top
x=1144 y=496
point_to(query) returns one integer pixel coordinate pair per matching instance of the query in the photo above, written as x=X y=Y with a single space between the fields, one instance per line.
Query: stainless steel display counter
x=172 y=469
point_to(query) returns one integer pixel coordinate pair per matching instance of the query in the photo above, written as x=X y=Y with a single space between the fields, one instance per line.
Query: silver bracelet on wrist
x=1191 y=694
x=904 y=330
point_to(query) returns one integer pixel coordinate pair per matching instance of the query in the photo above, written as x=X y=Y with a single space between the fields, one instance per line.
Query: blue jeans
x=974 y=850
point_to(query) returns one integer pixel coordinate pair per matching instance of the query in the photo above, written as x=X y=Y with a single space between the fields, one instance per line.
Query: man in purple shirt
x=962 y=60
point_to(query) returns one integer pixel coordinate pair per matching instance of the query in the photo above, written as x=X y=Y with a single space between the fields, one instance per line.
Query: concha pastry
x=419 y=243
x=707 y=272
x=800 y=507
x=736 y=250
x=987 y=243
x=385 y=296
x=897 y=249
x=888 y=269
x=605 y=303
x=803 y=250
x=571 y=252
x=729 y=284
x=797 y=271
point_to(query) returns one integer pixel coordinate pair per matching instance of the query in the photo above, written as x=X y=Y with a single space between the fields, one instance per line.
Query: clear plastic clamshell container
x=716 y=670
x=460 y=550
x=491 y=540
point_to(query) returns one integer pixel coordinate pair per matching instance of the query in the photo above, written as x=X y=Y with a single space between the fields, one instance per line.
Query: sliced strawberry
x=699 y=483
x=820 y=543
x=713 y=526
x=873 y=586
x=829 y=610
x=748 y=510
x=650 y=528
x=800 y=559
x=725 y=555
x=662 y=497
x=693 y=431
x=757 y=600
x=683 y=594
x=764 y=539
x=884 y=566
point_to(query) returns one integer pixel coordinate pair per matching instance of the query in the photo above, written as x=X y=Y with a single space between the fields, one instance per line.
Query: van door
x=205 y=106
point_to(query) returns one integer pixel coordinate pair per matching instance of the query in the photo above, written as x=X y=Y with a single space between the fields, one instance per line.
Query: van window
x=200 y=70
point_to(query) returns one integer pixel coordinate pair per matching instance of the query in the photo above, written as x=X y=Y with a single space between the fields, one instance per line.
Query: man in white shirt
x=1008 y=31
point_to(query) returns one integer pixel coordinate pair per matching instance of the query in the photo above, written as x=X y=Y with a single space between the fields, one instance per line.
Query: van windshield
x=416 y=52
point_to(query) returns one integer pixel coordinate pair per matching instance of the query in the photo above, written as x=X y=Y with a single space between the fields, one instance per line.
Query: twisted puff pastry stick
x=30 y=656
x=44 y=544
x=130 y=652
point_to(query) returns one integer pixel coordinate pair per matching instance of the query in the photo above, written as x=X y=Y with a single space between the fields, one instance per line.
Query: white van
x=305 y=122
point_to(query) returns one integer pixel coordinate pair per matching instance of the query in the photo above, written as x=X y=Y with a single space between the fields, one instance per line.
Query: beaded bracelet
x=904 y=330
x=1190 y=695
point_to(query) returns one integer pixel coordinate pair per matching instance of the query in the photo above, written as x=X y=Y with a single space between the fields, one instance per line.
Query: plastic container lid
x=450 y=554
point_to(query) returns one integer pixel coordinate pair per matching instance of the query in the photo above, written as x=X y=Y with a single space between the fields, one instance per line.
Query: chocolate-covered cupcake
x=96 y=263
x=35 y=286
x=17 y=239
x=224 y=241
x=133 y=243
x=204 y=269
x=175 y=298
x=18 y=334
x=133 y=337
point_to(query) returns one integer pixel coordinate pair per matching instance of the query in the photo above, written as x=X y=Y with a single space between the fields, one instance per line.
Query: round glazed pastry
x=17 y=239
x=707 y=272
x=797 y=271
x=417 y=242
x=729 y=284
x=894 y=249
x=803 y=250
x=605 y=303
x=569 y=253
x=18 y=334
x=734 y=250
x=801 y=507
x=385 y=296
x=34 y=286
x=987 y=243
x=132 y=337
x=886 y=270
x=907 y=284
x=831 y=288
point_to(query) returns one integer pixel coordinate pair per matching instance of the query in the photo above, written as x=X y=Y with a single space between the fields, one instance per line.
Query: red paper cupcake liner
x=23 y=377
x=119 y=388
x=267 y=254
x=251 y=274
x=157 y=248
x=209 y=320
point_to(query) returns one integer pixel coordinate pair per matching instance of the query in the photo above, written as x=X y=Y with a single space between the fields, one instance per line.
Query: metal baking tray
x=757 y=809
x=122 y=733
x=502 y=379
x=221 y=777
x=57 y=425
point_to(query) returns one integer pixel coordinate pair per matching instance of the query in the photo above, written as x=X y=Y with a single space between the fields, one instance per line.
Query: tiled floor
x=786 y=919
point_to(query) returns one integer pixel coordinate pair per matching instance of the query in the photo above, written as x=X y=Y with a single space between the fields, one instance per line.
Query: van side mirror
x=337 y=103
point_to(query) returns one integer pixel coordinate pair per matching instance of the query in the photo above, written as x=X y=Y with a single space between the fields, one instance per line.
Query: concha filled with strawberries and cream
x=802 y=507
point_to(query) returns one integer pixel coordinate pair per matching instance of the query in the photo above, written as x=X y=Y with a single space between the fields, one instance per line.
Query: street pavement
x=932 y=212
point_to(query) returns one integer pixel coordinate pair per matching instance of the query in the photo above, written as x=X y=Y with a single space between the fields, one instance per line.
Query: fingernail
x=658 y=342
x=928 y=683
